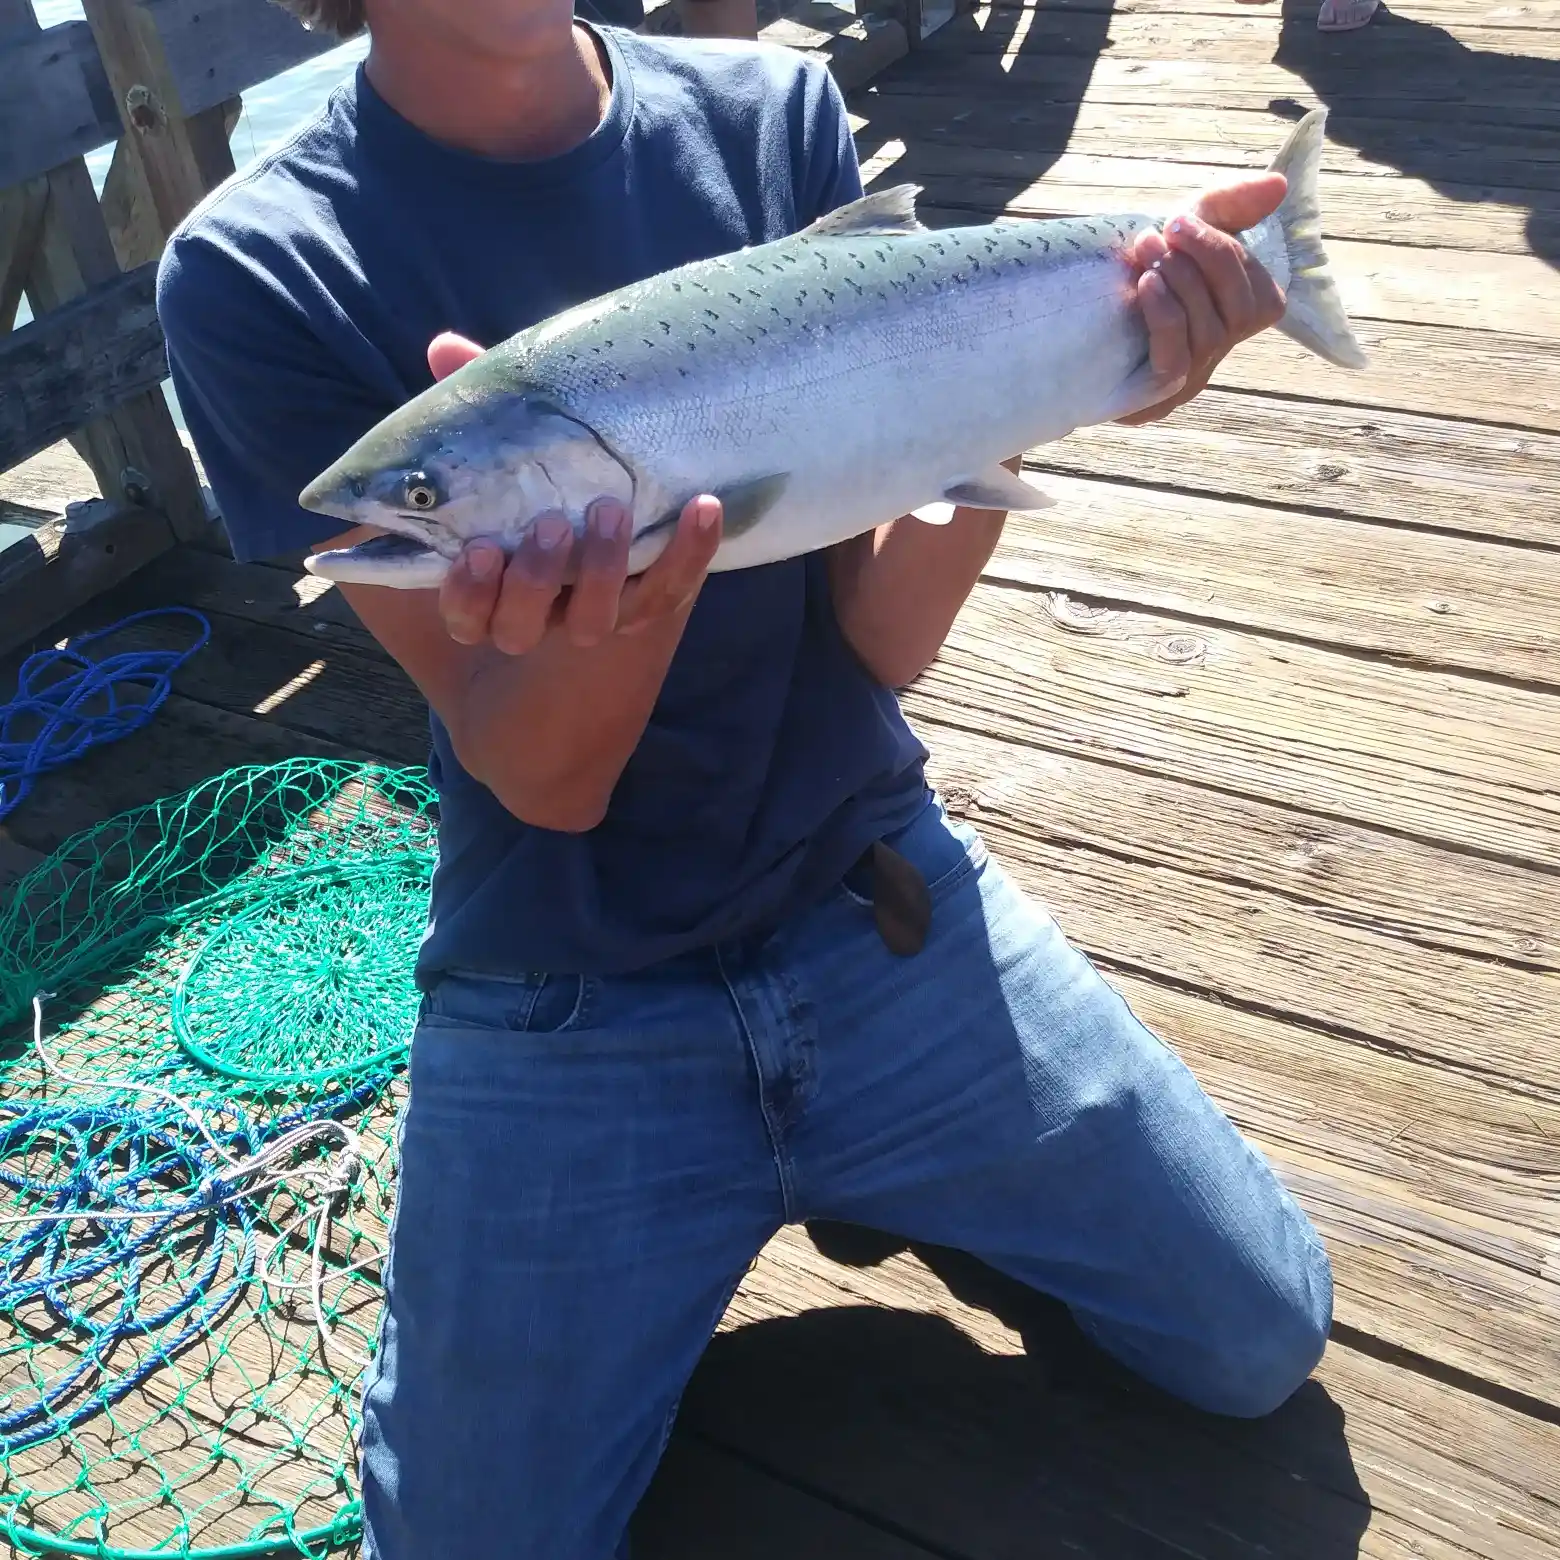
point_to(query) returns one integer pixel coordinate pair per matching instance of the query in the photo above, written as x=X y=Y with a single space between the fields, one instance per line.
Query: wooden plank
x=16 y=861
x=1443 y=1228
x=977 y=1433
x=1254 y=33
x=319 y=691
x=79 y=362
x=1248 y=944
x=1429 y=755
x=68 y=561
x=56 y=101
x=1409 y=212
x=1431 y=600
x=1429 y=473
x=21 y=224
x=178 y=165
x=706 y=1504
x=179 y=161
x=1512 y=158
x=133 y=223
x=1508 y=381
x=1517 y=15
x=136 y=453
x=187 y=742
x=1522 y=94
x=50 y=482
x=1419 y=894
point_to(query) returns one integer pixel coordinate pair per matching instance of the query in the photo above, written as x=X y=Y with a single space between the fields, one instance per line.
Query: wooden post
x=180 y=159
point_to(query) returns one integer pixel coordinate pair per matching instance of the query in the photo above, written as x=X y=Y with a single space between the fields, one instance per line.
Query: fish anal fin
x=884 y=211
x=998 y=488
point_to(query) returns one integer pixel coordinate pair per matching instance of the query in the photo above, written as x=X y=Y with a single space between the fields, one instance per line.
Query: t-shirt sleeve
x=265 y=406
x=832 y=175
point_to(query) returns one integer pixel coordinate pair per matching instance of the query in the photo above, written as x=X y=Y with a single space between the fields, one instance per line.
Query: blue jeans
x=590 y=1165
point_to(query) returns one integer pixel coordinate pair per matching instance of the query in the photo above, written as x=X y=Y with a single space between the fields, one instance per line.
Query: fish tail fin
x=1314 y=315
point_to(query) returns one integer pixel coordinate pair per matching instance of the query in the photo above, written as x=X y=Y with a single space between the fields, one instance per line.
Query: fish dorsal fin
x=884 y=211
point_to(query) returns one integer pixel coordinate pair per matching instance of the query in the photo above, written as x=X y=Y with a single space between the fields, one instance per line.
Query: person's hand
x=514 y=606
x=1200 y=292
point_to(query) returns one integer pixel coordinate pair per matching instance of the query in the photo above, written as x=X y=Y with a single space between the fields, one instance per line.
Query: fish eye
x=419 y=491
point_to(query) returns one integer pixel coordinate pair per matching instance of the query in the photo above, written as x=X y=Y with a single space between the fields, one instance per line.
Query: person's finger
x=1268 y=301
x=678 y=573
x=1206 y=334
x=1147 y=249
x=593 y=606
x=1222 y=262
x=447 y=352
x=1169 y=337
x=469 y=592
x=531 y=585
x=1242 y=203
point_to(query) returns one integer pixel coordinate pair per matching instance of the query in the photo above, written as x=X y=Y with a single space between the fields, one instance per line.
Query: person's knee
x=1270 y=1352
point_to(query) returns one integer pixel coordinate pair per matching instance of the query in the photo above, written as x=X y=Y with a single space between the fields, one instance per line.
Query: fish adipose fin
x=884 y=211
x=1314 y=315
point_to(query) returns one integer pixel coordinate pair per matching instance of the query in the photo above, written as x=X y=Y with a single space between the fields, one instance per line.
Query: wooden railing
x=162 y=81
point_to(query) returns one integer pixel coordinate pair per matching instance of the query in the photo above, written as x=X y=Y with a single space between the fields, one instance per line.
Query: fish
x=820 y=385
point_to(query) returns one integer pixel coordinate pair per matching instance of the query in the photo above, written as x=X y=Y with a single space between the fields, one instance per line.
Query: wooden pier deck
x=1268 y=710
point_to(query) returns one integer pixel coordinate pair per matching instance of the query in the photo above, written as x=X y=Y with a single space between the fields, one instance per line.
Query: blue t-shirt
x=299 y=300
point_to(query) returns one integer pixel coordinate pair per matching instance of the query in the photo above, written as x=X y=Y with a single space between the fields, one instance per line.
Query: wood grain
x=1424 y=472
x=79 y=362
x=66 y=562
x=1400 y=888
x=1432 y=755
x=1429 y=599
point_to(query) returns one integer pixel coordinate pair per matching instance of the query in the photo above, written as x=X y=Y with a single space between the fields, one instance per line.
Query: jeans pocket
x=535 y=1003
x=943 y=849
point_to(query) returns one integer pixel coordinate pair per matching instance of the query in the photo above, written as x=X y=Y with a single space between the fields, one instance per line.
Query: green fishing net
x=205 y=1007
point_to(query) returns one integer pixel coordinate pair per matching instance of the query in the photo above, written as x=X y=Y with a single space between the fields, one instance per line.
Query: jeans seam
x=787 y=1191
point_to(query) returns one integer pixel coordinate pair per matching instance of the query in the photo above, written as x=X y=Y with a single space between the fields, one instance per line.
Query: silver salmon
x=820 y=385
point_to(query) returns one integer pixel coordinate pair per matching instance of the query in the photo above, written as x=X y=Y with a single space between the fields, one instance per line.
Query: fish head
x=450 y=466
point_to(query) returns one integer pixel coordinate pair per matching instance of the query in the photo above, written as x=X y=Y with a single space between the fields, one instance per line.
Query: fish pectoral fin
x=744 y=504
x=998 y=488
x=884 y=211
x=935 y=513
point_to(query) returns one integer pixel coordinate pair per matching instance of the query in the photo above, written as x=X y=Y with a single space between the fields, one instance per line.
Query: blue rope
x=124 y=1159
x=65 y=726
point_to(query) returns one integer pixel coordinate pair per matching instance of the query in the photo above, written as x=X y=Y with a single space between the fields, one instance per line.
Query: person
x=705 y=953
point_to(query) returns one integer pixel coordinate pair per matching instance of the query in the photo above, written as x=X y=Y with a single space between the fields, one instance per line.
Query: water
x=272 y=110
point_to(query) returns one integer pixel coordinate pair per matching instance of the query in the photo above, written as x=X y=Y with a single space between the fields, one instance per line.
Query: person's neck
x=531 y=105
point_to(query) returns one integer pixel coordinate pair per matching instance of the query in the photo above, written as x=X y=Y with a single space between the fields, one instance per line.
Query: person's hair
x=344 y=18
